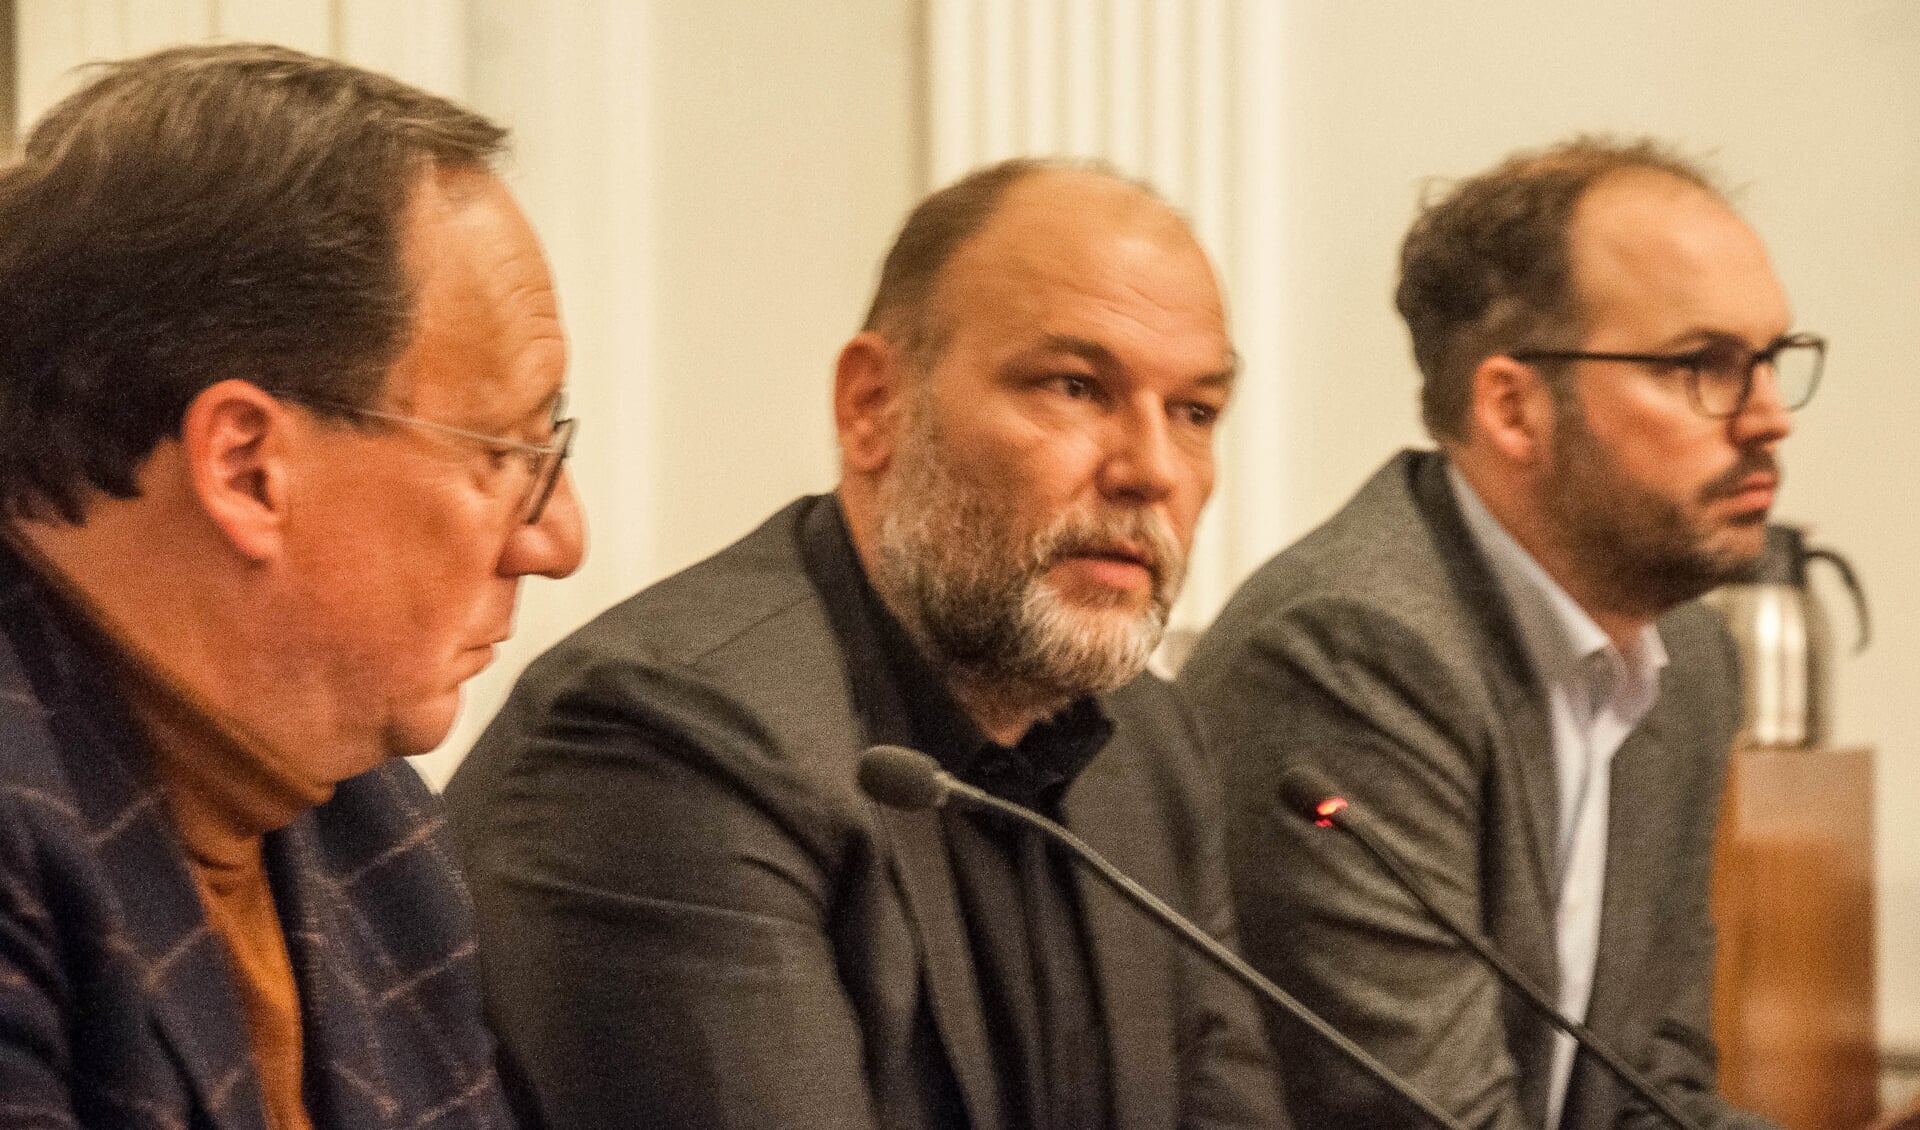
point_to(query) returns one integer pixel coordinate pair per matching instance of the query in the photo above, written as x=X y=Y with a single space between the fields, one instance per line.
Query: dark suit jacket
x=692 y=917
x=1380 y=650
x=117 y=1008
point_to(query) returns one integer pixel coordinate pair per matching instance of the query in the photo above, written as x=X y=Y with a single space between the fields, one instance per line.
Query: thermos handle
x=1853 y=586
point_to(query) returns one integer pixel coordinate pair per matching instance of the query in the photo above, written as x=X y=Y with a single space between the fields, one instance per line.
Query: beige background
x=716 y=180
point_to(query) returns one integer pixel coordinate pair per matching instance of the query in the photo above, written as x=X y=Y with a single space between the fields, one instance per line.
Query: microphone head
x=899 y=777
x=1312 y=794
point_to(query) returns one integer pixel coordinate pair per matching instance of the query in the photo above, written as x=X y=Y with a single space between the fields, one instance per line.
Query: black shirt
x=1019 y=897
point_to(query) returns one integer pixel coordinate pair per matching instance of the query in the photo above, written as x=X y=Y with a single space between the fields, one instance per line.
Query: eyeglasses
x=1720 y=375
x=542 y=460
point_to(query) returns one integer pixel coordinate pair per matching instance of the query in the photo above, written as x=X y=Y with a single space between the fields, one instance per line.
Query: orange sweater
x=224 y=797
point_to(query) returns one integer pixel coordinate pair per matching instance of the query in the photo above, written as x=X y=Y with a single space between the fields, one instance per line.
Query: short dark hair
x=1487 y=267
x=904 y=306
x=198 y=214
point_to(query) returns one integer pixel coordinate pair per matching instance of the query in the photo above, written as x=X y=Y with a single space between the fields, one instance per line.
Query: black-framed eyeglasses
x=542 y=460
x=1720 y=374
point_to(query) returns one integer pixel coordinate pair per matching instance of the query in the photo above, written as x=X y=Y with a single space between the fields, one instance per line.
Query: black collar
x=902 y=700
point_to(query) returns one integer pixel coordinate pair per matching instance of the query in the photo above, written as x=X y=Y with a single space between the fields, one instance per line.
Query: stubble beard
x=972 y=588
x=1646 y=551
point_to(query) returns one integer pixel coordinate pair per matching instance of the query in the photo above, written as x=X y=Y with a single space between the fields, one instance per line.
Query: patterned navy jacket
x=117 y=1008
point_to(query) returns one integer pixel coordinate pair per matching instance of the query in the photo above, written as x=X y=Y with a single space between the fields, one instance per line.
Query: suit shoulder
x=1380 y=553
x=1696 y=633
x=731 y=667
x=710 y=604
x=1374 y=583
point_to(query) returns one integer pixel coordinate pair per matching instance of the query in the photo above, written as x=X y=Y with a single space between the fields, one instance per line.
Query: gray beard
x=973 y=591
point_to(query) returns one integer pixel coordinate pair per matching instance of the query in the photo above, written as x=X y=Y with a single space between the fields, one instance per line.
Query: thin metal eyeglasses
x=1720 y=374
x=542 y=460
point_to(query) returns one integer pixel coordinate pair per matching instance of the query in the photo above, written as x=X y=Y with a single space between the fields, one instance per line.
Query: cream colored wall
x=716 y=180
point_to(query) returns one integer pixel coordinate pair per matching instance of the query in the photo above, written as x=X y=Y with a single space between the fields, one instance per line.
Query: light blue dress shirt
x=1596 y=694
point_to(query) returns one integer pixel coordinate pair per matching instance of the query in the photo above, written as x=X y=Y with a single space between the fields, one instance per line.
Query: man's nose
x=553 y=546
x=1764 y=418
x=1141 y=464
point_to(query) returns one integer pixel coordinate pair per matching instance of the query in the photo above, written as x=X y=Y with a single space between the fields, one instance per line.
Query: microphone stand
x=1222 y=957
x=1355 y=824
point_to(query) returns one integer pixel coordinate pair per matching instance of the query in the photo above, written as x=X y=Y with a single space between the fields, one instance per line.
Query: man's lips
x=1754 y=492
x=1118 y=566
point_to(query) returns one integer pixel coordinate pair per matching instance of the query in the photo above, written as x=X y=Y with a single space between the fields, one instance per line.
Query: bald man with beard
x=691 y=916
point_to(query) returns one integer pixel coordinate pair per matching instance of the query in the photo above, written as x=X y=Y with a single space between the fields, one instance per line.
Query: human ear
x=868 y=389
x=233 y=437
x=1512 y=408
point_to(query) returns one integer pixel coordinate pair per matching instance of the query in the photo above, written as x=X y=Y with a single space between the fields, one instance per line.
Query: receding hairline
x=1118 y=206
x=946 y=224
x=1635 y=183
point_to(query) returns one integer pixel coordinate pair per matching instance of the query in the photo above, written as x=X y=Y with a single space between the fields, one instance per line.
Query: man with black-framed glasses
x=1494 y=649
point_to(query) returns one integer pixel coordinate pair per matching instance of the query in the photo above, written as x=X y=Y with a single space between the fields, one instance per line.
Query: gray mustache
x=1144 y=532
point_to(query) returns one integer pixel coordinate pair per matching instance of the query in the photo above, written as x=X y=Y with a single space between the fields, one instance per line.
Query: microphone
x=1315 y=797
x=908 y=779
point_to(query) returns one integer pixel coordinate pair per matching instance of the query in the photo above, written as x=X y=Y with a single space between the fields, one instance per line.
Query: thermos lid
x=1784 y=561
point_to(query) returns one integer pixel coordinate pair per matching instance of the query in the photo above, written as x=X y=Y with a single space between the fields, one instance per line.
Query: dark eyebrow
x=1707 y=339
x=1102 y=357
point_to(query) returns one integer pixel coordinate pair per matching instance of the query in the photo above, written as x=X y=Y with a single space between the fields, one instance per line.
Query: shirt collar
x=1557 y=634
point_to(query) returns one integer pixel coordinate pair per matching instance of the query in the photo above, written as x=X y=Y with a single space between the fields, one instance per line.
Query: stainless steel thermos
x=1786 y=646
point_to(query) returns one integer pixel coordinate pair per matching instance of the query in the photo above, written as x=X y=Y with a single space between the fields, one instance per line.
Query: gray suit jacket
x=1380 y=650
x=691 y=916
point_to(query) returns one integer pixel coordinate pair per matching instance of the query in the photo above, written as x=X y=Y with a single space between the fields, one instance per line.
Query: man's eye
x=1077 y=387
x=1721 y=362
x=1197 y=414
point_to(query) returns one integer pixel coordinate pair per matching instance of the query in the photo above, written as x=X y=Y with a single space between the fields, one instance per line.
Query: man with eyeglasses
x=279 y=436
x=1494 y=650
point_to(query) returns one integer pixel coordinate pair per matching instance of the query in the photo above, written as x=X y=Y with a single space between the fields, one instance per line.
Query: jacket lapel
x=181 y=965
x=1639 y=800
x=921 y=864
x=1529 y=751
x=924 y=871
x=1130 y=956
x=346 y=1082
x=1529 y=745
x=188 y=978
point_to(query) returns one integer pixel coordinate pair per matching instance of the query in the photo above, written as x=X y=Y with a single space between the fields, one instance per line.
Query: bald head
x=1031 y=198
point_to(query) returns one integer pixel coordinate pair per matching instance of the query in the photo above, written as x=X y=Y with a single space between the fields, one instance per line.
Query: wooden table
x=1793 y=901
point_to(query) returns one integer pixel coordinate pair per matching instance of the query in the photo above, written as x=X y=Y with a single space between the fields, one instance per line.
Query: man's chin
x=1098 y=650
x=1739 y=545
x=422 y=728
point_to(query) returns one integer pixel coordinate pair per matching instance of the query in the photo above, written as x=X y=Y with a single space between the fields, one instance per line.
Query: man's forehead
x=1647 y=236
x=1066 y=208
x=1642 y=214
x=486 y=319
x=1067 y=231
